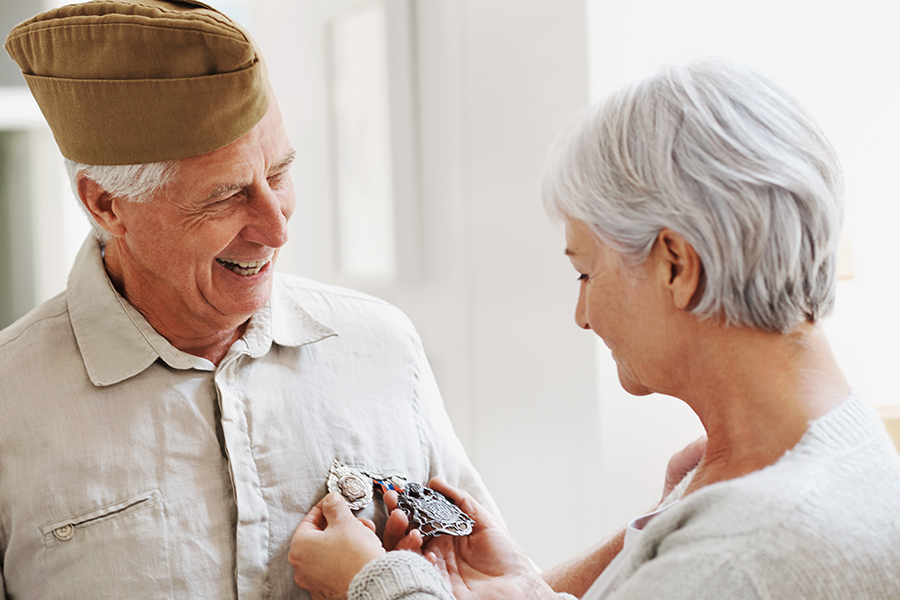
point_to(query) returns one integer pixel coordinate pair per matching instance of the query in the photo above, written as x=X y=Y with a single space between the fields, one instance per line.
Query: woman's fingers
x=463 y=501
x=368 y=523
x=335 y=508
x=682 y=462
x=314 y=519
x=412 y=541
x=391 y=500
x=395 y=529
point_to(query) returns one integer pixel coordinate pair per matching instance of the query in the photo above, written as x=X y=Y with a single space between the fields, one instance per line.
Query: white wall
x=524 y=76
x=841 y=61
x=495 y=303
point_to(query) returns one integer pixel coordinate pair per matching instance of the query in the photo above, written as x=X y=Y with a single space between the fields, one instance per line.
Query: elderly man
x=168 y=419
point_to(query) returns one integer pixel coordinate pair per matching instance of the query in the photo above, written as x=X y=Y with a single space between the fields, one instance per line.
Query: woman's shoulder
x=826 y=512
x=830 y=537
x=844 y=467
x=844 y=473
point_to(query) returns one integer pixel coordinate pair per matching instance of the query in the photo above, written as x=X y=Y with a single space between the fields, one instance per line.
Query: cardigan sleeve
x=399 y=575
x=403 y=575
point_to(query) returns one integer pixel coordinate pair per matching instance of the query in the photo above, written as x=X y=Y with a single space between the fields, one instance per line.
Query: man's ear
x=680 y=267
x=100 y=204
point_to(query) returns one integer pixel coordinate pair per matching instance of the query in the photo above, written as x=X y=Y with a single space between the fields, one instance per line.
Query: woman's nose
x=580 y=310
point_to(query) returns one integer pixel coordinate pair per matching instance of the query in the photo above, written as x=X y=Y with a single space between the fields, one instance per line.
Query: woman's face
x=623 y=305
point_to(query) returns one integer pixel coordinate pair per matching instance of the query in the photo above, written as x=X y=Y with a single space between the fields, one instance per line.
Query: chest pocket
x=116 y=551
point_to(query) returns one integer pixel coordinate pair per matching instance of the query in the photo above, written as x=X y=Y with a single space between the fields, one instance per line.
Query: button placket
x=252 y=513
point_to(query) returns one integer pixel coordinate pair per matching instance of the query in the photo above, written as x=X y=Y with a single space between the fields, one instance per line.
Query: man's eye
x=223 y=201
x=277 y=179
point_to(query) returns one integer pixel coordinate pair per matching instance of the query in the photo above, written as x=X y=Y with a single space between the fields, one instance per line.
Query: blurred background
x=421 y=128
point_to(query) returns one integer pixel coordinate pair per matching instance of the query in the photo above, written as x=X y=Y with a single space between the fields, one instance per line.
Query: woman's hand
x=330 y=546
x=486 y=564
x=681 y=463
x=397 y=535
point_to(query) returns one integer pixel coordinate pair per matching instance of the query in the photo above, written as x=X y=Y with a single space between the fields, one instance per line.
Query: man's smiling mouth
x=244 y=268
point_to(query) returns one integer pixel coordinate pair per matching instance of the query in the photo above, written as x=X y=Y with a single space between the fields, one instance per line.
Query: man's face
x=197 y=260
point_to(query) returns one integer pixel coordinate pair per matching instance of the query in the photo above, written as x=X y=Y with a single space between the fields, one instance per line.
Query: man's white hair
x=137 y=183
x=726 y=158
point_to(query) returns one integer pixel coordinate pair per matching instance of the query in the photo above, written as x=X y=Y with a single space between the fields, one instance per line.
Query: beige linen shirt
x=129 y=469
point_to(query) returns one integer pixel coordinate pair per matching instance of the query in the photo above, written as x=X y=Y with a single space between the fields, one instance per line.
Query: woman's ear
x=681 y=268
x=100 y=204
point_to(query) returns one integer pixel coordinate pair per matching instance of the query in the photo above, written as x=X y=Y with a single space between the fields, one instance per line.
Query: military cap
x=137 y=81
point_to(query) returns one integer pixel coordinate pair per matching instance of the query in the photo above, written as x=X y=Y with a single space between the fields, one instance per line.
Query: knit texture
x=822 y=523
x=399 y=574
x=403 y=575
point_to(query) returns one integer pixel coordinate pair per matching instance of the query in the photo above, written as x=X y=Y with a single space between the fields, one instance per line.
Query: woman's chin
x=633 y=387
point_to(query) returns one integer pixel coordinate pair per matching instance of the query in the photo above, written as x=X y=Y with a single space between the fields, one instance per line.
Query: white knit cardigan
x=822 y=523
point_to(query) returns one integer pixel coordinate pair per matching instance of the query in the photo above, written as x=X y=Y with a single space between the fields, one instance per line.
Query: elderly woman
x=702 y=210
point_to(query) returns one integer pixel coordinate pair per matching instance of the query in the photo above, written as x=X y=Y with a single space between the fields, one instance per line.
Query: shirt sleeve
x=447 y=457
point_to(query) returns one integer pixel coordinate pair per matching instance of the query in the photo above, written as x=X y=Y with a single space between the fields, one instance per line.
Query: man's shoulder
x=335 y=306
x=41 y=322
x=311 y=288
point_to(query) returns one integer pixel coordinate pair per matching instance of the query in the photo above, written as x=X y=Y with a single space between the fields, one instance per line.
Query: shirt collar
x=282 y=321
x=116 y=341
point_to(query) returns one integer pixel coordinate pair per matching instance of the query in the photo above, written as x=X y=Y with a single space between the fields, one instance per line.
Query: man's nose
x=270 y=214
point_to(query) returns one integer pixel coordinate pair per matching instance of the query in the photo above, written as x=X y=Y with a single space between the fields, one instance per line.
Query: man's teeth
x=244 y=268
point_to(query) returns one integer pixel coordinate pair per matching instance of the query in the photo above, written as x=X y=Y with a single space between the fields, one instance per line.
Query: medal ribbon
x=386 y=485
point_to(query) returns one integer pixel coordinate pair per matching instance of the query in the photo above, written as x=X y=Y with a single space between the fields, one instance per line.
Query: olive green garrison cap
x=138 y=81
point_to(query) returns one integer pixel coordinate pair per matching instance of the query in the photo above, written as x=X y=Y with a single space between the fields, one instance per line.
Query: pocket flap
x=65 y=529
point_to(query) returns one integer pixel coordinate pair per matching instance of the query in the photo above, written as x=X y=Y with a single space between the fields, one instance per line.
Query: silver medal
x=350 y=482
x=432 y=513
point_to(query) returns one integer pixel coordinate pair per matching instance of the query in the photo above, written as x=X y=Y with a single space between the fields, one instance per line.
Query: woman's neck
x=756 y=393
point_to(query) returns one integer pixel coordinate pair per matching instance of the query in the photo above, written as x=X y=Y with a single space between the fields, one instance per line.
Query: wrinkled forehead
x=263 y=150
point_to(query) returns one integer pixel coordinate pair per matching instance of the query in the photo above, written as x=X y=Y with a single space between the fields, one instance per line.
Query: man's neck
x=212 y=348
x=211 y=343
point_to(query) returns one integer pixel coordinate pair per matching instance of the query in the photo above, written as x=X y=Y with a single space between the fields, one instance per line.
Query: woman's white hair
x=137 y=183
x=726 y=158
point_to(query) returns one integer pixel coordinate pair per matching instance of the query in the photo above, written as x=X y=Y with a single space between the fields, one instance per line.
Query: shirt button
x=64 y=532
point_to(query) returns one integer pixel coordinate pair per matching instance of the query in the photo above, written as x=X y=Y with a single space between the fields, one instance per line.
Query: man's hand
x=486 y=564
x=330 y=546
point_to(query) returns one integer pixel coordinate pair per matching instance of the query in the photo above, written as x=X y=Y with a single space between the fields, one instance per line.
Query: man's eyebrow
x=221 y=190
x=285 y=162
x=568 y=252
